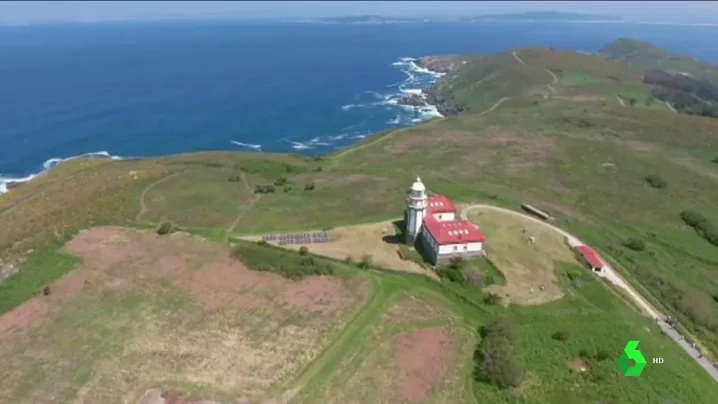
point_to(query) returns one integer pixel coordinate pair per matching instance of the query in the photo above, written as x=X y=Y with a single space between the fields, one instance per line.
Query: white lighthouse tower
x=415 y=210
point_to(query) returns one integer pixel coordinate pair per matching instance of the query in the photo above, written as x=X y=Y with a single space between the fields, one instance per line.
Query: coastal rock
x=413 y=100
x=438 y=64
x=446 y=107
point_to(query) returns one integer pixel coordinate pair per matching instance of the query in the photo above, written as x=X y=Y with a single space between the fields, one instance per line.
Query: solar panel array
x=299 y=238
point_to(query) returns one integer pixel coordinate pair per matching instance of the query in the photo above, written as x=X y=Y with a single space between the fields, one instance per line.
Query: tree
x=280 y=181
x=632 y=101
x=561 y=335
x=583 y=354
x=303 y=250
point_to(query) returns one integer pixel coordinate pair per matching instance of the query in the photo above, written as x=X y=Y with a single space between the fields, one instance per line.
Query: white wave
x=416 y=91
x=250 y=146
x=318 y=142
x=48 y=165
x=395 y=121
x=358 y=136
x=299 y=146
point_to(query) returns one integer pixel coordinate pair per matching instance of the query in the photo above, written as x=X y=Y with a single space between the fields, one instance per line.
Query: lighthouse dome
x=418 y=186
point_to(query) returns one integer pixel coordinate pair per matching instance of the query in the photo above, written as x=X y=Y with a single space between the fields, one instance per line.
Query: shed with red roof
x=591 y=257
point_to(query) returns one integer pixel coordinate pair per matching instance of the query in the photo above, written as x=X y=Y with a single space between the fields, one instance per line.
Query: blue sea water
x=158 y=88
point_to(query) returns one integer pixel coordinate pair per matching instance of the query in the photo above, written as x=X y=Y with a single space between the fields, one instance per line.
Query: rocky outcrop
x=445 y=106
x=413 y=100
x=438 y=64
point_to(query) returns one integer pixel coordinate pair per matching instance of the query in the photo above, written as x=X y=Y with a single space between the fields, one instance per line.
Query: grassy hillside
x=565 y=138
x=477 y=84
x=644 y=56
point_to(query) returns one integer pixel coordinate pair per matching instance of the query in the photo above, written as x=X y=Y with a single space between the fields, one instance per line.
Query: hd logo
x=631 y=353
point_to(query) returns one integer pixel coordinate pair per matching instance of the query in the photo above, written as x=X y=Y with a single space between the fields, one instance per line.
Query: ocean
x=137 y=89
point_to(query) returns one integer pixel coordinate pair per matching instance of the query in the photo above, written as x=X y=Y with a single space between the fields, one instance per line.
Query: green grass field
x=583 y=162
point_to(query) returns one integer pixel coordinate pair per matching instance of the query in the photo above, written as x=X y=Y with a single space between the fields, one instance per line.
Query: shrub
x=287 y=188
x=46 y=291
x=456 y=262
x=656 y=181
x=583 y=354
x=496 y=363
x=452 y=275
x=280 y=181
x=715 y=160
x=264 y=189
x=634 y=243
x=165 y=228
x=493 y=299
x=262 y=242
x=475 y=279
x=348 y=260
x=365 y=261
x=693 y=218
x=602 y=355
x=561 y=335
x=303 y=250
x=632 y=101
x=309 y=187
x=283 y=262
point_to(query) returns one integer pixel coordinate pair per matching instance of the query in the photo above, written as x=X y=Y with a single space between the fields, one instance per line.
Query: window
x=466 y=247
x=456 y=247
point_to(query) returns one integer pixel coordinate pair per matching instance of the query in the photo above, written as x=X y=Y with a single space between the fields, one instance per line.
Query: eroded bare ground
x=378 y=240
x=147 y=312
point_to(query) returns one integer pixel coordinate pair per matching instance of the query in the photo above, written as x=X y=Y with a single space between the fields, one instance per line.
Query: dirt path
x=555 y=80
x=620 y=100
x=143 y=205
x=670 y=106
x=517 y=57
x=247 y=208
x=612 y=276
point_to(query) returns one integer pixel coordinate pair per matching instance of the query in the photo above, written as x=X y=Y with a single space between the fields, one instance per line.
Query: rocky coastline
x=431 y=97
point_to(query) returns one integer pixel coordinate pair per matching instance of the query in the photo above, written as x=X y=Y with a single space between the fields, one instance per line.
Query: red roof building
x=590 y=256
x=453 y=232
x=440 y=204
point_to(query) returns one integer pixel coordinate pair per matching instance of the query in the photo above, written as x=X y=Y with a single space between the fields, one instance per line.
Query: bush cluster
x=166 y=228
x=634 y=243
x=656 y=181
x=701 y=225
x=262 y=257
x=264 y=189
x=496 y=363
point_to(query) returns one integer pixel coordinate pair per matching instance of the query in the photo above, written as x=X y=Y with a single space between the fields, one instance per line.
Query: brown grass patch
x=528 y=268
x=424 y=358
x=579 y=366
x=186 y=312
x=355 y=241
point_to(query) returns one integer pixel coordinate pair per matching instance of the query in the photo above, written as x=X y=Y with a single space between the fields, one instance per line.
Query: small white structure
x=434 y=223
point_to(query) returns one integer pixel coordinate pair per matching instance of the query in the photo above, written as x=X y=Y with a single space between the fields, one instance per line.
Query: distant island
x=517 y=17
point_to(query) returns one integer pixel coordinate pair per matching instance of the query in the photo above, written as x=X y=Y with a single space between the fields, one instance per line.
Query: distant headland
x=515 y=17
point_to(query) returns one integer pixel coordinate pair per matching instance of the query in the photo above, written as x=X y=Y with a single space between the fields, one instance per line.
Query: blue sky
x=22 y=12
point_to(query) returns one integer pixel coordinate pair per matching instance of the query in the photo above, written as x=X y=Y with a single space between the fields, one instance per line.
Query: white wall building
x=434 y=223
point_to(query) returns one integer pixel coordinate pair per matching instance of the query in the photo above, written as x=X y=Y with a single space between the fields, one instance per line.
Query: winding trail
x=612 y=276
x=555 y=80
x=670 y=106
x=517 y=57
x=620 y=100
x=247 y=208
x=143 y=205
